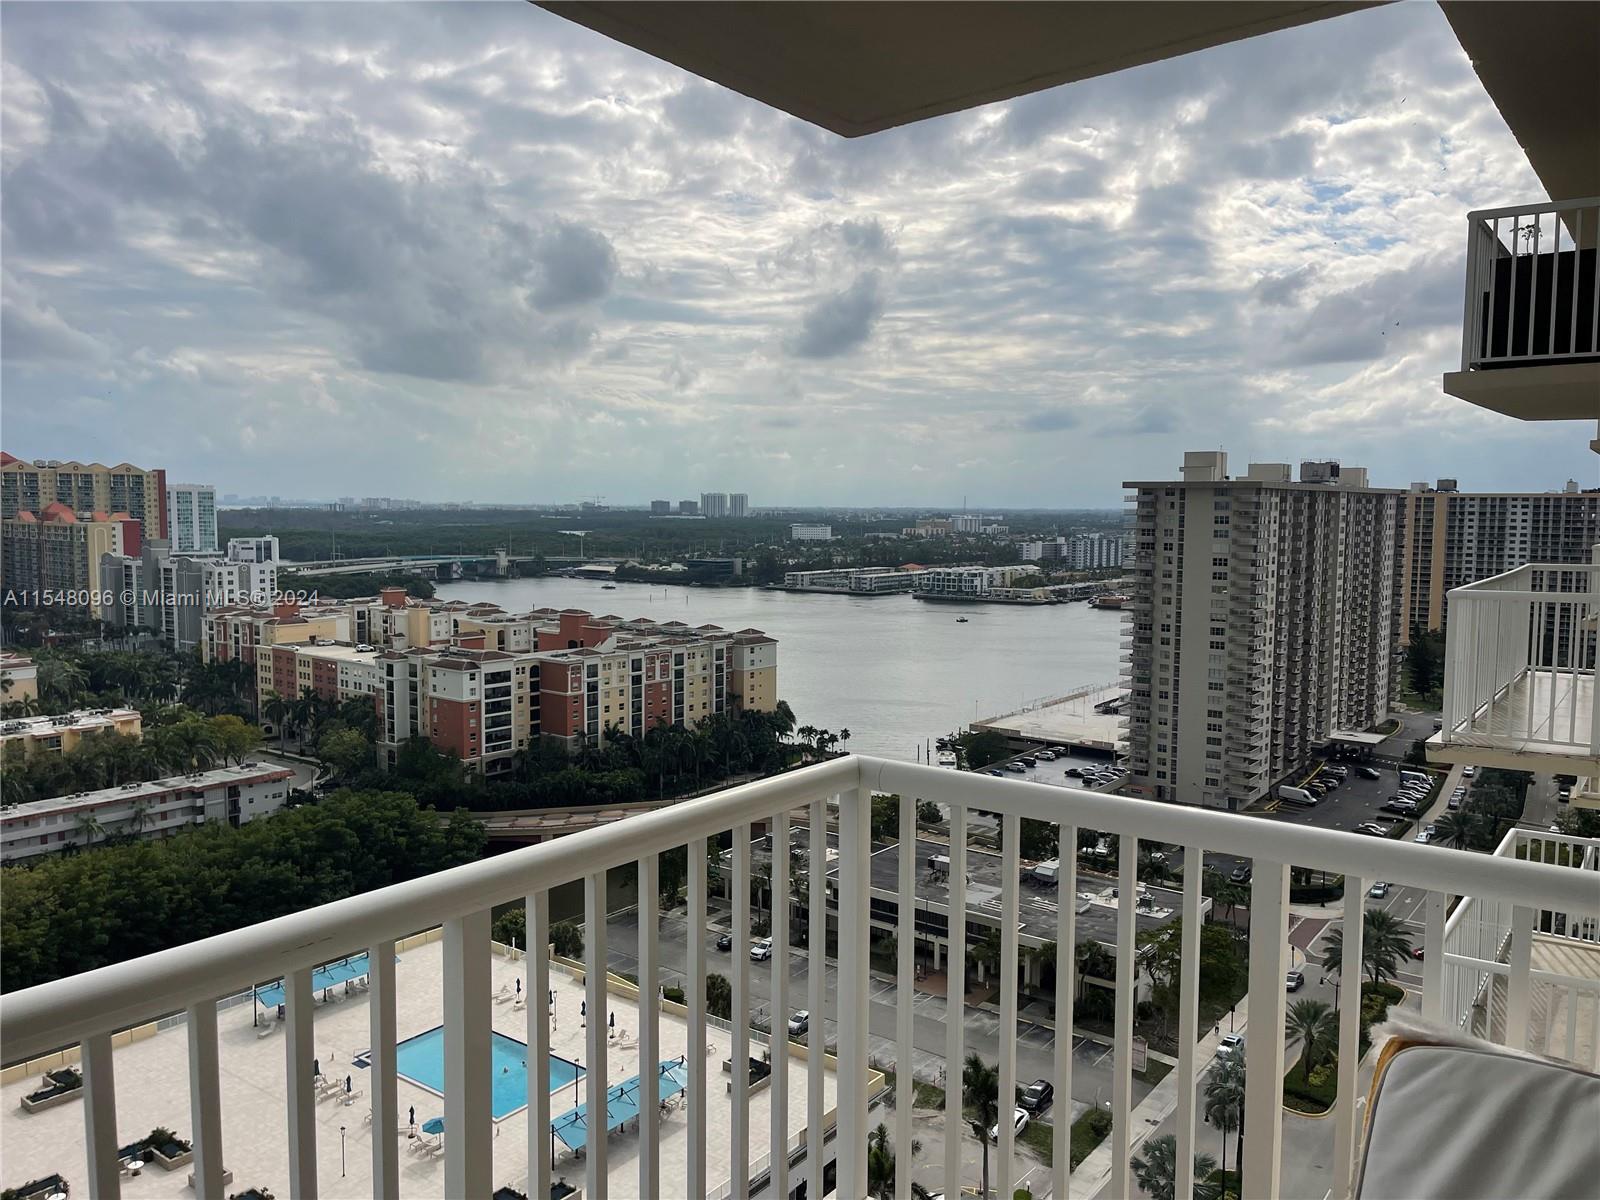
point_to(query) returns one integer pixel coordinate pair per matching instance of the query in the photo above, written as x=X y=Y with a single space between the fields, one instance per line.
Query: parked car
x=799 y=1023
x=997 y=774
x=1468 y=772
x=1405 y=808
x=1424 y=836
x=1019 y=1122
x=725 y=942
x=1074 y=772
x=1029 y=760
x=1372 y=828
x=1231 y=1044
x=1369 y=772
x=761 y=951
x=1454 y=803
x=1040 y=1094
x=1378 y=890
x=1240 y=874
x=1047 y=755
x=1294 y=981
x=1016 y=768
x=1416 y=952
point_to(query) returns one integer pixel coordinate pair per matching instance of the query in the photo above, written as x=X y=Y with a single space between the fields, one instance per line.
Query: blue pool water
x=421 y=1060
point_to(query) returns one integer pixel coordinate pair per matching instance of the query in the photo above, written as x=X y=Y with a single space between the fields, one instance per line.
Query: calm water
x=893 y=670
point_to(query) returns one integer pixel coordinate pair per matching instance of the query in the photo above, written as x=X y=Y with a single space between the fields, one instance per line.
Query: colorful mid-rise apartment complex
x=482 y=683
x=84 y=487
x=52 y=557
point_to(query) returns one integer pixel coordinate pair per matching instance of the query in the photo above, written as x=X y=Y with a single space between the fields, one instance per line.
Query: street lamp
x=341 y=1152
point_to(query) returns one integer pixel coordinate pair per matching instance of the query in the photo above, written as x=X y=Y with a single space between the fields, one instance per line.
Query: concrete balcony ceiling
x=861 y=68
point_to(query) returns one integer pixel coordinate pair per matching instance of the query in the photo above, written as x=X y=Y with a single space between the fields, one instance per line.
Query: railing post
x=1433 y=957
x=816 y=983
x=905 y=995
x=1122 y=1027
x=739 y=1126
x=300 y=1052
x=649 y=1028
x=955 y=973
x=595 y=1076
x=1264 y=1060
x=778 y=1038
x=1010 y=839
x=1066 y=968
x=100 y=1118
x=1344 y=1127
x=695 y=995
x=205 y=1100
x=536 y=912
x=1188 y=1016
x=1519 y=982
x=382 y=1079
x=855 y=916
x=468 y=1114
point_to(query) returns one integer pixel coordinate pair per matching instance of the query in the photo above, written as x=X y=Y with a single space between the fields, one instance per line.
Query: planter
x=179 y=1156
x=58 y=1086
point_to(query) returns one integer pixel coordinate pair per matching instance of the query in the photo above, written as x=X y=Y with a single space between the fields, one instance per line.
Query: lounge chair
x=349 y=1098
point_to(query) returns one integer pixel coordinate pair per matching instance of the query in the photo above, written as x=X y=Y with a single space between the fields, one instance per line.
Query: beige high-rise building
x=84 y=487
x=1449 y=539
x=52 y=558
x=1262 y=622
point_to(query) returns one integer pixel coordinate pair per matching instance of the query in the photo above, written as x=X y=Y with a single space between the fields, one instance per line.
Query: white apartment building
x=969 y=582
x=872 y=580
x=713 y=504
x=1082 y=552
x=254 y=549
x=738 y=505
x=192 y=518
x=157 y=808
x=810 y=533
x=1261 y=622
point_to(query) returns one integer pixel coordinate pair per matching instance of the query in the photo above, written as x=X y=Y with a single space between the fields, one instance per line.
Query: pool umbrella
x=613 y=1021
x=519 y=985
x=433 y=1125
x=583 y=1008
x=412 y=1116
x=316 y=1066
x=349 y=1085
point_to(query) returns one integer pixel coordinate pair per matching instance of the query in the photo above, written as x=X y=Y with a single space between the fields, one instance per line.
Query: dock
x=1088 y=718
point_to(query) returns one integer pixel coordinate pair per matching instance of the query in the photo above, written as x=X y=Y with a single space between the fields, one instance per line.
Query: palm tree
x=276 y=709
x=980 y=1091
x=1312 y=1025
x=1156 y=1169
x=1094 y=960
x=1384 y=942
x=1225 y=1101
x=61 y=681
x=844 y=740
x=89 y=825
x=1458 y=829
x=140 y=814
x=881 y=1161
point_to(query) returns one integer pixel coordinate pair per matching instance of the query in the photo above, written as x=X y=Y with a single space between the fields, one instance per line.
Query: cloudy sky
x=470 y=251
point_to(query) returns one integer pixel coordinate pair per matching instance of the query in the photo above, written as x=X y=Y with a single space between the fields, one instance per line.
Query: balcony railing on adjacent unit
x=91 y=1008
x=1520 y=671
x=1531 y=295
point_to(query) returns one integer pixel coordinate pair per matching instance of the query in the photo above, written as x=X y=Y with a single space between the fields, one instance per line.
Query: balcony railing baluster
x=1066 y=980
x=855 y=927
x=739 y=1128
x=1350 y=976
x=1188 y=1017
x=300 y=1054
x=778 y=1039
x=649 y=1026
x=468 y=1082
x=536 y=912
x=905 y=993
x=955 y=973
x=1264 y=1058
x=816 y=979
x=695 y=997
x=100 y=1118
x=205 y=1098
x=1010 y=837
x=1122 y=1029
x=381 y=1072
x=1433 y=956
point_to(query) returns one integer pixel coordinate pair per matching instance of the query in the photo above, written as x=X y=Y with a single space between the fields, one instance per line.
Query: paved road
x=1035 y=1043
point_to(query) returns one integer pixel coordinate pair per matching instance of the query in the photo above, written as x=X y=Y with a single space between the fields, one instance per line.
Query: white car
x=1231 y=1044
x=1468 y=772
x=762 y=950
x=1019 y=1122
x=1378 y=890
x=799 y=1023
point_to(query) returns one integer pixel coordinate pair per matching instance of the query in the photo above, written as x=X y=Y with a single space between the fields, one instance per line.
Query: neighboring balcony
x=1531 y=325
x=422 y=1009
x=1519 y=672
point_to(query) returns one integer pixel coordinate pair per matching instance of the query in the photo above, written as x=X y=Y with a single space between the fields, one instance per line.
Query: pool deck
x=153 y=1089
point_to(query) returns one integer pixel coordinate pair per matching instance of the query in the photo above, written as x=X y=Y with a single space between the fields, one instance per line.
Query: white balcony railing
x=1520 y=670
x=1531 y=295
x=89 y=1009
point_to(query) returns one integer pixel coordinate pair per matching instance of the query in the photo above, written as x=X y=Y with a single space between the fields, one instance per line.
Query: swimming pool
x=420 y=1059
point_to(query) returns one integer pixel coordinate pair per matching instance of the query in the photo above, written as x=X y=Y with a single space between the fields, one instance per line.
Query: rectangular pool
x=420 y=1060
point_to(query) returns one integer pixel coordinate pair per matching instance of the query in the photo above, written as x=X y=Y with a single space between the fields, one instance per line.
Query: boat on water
x=961 y=620
x=947 y=758
x=608 y=587
x=1110 y=600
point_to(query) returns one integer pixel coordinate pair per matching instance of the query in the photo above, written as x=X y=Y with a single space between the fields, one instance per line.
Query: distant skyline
x=474 y=252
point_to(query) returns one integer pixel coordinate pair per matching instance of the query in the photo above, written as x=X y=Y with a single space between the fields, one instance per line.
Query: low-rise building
x=19 y=678
x=158 y=808
x=63 y=732
x=807 y=532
